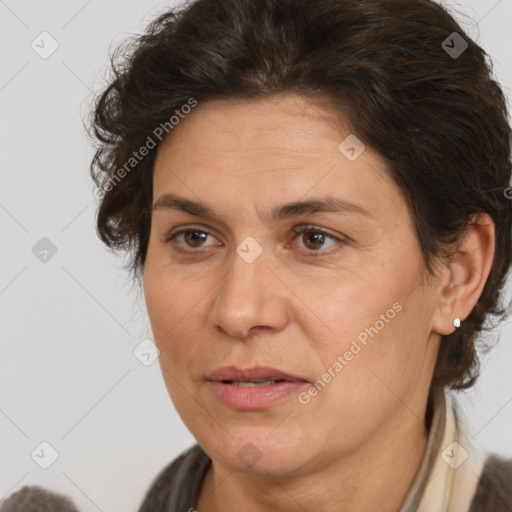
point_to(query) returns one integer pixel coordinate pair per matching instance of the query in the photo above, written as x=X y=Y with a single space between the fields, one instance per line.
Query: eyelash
x=297 y=231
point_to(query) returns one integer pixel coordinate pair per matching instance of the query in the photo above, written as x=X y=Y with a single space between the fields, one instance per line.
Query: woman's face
x=343 y=304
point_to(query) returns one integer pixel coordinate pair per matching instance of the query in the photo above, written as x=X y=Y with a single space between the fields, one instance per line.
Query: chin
x=257 y=452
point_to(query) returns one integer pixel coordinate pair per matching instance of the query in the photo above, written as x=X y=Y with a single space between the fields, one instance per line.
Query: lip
x=257 y=397
x=230 y=373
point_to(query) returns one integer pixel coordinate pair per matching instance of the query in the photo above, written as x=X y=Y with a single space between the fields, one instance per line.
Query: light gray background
x=68 y=327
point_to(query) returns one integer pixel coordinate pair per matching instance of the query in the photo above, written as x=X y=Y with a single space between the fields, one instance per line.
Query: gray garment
x=178 y=485
x=33 y=498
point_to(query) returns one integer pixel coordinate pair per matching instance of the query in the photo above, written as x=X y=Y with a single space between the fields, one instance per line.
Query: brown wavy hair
x=439 y=120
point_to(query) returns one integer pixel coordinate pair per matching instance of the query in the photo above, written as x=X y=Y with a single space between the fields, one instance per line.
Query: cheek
x=167 y=294
x=378 y=352
x=165 y=307
x=159 y=310
x=176 y=309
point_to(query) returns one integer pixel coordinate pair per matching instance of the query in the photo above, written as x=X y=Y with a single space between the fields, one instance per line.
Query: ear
x=464 y=276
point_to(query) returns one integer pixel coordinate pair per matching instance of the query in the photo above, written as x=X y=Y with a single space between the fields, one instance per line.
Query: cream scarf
x=448 y=476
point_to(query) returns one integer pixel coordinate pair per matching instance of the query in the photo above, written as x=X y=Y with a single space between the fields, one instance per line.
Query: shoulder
x=494 y=491
x=183 y=473
x=35 y=498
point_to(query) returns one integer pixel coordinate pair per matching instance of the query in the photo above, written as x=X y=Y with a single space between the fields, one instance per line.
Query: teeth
x=252 y=383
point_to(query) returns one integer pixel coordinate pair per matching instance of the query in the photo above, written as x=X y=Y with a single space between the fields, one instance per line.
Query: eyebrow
x=327 y=204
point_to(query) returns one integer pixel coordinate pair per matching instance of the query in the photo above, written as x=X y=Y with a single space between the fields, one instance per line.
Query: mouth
x=254 y=388
x=250 y=377
x=252 y=383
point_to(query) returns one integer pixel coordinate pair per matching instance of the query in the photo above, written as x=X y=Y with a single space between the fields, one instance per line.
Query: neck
x=377 y=476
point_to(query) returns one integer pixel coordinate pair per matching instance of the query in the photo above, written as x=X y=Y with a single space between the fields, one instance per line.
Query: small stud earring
x=456 y=323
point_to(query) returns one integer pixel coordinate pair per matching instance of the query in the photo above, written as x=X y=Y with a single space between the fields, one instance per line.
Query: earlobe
x=465 y=275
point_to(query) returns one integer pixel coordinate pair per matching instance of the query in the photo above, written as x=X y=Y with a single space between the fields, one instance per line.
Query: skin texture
x=358 y=443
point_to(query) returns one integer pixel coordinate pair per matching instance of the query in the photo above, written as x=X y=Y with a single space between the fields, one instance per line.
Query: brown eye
x=314 y=239
x=194 y=238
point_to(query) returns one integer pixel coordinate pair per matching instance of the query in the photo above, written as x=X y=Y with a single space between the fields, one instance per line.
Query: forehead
x=280 y=125
x=280 y=148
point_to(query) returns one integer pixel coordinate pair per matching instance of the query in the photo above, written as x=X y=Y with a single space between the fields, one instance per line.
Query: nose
x=250 y=296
